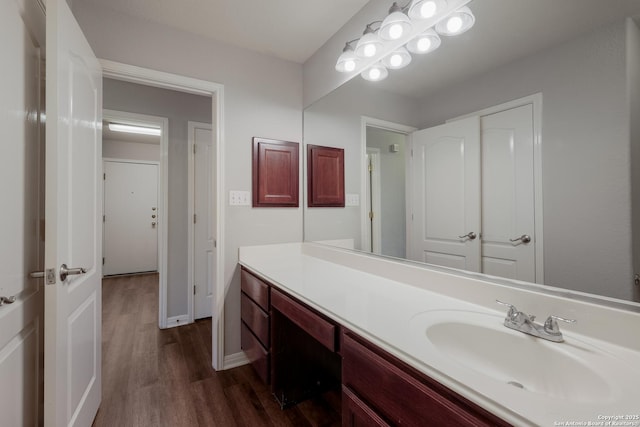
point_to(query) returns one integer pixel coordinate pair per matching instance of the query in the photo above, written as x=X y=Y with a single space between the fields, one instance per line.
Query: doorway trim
x=536 y=101
x=144 y=119
x=149 y=77
x=365 y=122
x=374 y=231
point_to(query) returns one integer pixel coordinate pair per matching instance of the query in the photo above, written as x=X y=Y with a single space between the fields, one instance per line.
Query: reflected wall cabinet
x=325 y=169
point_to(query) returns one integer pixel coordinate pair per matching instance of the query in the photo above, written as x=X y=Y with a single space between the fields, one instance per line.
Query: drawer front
x=256 y=353
x=399 y=396
x=356 y=413
x=255 y=288
x=256 y=319
x=310 y=322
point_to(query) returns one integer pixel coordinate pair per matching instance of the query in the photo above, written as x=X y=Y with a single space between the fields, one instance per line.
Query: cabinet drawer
x=356 y=413
x=255 y=288
x=256 y=319
x=404 y=398
x=310 y=322
x=256 y=353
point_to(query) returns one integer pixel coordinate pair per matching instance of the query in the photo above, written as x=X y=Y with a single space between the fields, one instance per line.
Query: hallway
x=154 y=377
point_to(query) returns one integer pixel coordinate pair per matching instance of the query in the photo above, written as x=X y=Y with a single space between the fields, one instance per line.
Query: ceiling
x=287 y=29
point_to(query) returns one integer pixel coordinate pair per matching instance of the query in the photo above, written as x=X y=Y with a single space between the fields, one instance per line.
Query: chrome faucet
x=522 y=322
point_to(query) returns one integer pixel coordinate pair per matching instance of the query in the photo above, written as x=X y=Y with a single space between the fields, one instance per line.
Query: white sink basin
x=481 y=343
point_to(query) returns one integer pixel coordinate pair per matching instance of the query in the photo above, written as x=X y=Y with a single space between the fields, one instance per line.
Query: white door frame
x=375 y=230
x=145 y=76
x=191 y=125
x=536 y=101
x=394 y=127
x=163 y=189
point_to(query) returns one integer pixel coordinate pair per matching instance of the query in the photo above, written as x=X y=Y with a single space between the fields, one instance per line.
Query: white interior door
x=130 y=217
x=204 y=219
x=446 y=195
x=508 y=226
x=73 y=212
x=21 y=321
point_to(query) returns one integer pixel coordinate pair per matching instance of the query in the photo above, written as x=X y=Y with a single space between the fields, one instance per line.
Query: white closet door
x=508 y=194
x=131 y=217
x=446 y=195
x=205 y=221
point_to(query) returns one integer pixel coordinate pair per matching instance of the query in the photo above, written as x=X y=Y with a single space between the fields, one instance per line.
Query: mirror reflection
x=507 y=151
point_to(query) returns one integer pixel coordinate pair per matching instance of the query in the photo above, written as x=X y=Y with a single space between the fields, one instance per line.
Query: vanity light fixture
x=375 y=73
x=423 y=9
x=369 y=44
x=415 y=27
x=456 y=23
x=395 y=25
x=348 y=60
x=397 y=59
x=425 y=42
x=143 y=130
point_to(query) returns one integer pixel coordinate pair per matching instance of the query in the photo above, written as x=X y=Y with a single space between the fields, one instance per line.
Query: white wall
x=392 y=183
x=179 y=108
x=585 y=153
x=262 y=97
x=335 y=121
x=114 y=149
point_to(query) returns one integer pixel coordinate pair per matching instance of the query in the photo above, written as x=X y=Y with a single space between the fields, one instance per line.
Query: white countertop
x=340 y=284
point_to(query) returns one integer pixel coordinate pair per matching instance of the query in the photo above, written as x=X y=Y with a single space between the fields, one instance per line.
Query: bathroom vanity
x=412 y=345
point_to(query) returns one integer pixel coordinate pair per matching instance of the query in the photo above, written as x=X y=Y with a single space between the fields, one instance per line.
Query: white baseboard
x=174 y=321
x=235 y=360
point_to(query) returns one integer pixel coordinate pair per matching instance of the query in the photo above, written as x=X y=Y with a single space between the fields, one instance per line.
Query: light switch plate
x=352 y=200
x=239 y=198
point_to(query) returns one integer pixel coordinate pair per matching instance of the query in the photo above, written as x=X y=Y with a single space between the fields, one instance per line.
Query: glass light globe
x=395 y=32
x=454 y=24
x=369 y=50
x=428 y=9
x=423 y=44
x=349 y=65
x=374 y=74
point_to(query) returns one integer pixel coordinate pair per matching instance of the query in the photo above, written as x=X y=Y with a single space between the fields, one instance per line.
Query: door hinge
x=194 y=218
x=194 y=148
x=371 y=216
x=194 y=289
x=102 y=260
x=215 y=243
x=104 y=218
x=370 y=167
x=104 y=176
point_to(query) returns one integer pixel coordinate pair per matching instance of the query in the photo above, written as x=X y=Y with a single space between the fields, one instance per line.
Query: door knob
x=7 y=300
x=471 y=236
x=66 y=271
x=525 y=238
x=153 y=224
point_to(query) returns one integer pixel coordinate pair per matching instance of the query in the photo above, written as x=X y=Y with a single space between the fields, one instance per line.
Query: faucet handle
x=551 y=324
x=513 y=311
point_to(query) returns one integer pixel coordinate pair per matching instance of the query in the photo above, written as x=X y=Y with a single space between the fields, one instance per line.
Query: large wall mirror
x=508 y=151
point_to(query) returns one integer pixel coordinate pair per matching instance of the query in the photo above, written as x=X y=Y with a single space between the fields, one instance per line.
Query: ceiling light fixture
x=457 y=23
x=413 y=28
x=375 y=73
x=395 y=24
x=143 y=130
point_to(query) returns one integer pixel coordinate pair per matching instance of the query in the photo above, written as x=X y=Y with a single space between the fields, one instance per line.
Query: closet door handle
x=525 y=238
x=471 y=236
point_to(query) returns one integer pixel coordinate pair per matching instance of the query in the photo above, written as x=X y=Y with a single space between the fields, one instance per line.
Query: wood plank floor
x=153 y=377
